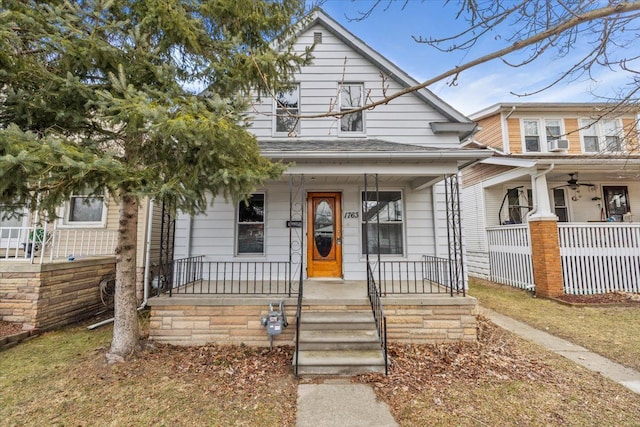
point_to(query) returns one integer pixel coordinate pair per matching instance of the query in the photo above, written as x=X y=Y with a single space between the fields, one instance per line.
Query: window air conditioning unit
x=556 y=145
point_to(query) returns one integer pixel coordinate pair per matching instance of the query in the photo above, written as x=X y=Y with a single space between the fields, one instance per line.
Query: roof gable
x=319 y=17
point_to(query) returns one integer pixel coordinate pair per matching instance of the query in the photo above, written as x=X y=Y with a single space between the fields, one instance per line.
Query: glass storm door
x=324 y=237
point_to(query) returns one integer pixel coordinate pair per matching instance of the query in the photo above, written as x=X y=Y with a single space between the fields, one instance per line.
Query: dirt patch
x=8 y=328
x=611 y=298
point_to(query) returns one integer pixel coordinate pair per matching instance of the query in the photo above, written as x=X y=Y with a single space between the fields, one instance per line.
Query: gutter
x=450 y=155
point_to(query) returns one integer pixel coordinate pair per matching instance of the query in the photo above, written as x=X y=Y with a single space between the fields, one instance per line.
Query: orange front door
x=324 y=236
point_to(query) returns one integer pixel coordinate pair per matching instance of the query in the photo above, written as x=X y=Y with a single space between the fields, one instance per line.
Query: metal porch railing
x=429 y=275
x=198 y=277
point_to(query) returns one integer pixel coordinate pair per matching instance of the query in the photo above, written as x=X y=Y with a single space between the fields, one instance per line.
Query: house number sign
x=348 y=215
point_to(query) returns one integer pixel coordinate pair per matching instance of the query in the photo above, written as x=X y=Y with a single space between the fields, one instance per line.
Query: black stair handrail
x=378 y=314
x=298 y=315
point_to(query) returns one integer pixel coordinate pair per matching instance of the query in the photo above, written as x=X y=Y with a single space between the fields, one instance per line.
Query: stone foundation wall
x=201 y=320
x=45 y=296
x=434 y=320
x=198 y=320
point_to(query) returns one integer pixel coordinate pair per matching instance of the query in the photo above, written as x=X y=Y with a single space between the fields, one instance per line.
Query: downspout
x=147 y=264
x=505 y=131
x=535 y=188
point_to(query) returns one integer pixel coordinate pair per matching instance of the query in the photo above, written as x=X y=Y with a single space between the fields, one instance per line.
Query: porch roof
x=364 y=149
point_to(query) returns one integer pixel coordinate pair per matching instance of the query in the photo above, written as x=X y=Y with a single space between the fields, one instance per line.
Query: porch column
x=545 y=241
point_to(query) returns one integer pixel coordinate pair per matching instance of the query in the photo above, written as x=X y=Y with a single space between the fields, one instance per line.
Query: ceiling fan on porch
x=573 y=183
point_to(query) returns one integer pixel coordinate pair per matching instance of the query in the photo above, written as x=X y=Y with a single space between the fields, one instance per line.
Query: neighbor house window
x=351 y=96
x=85 y=207
x=531 y=135
x=520 y=201
x=384 y=214
x=616 y=201
x=560 y=205
x=287 y=107
x=251 y=225
x=11 y=219
x=603 y=135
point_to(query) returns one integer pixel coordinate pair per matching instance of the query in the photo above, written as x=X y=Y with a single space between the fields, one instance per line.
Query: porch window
x=519 y=203
x=385 y=208
x=603 y=135
x=85 y=208
x=351 y=96
x=560 y=205
x=287 y=106
x=11 y=217
x=531 y=136
x=250 y=230
x=616 y=201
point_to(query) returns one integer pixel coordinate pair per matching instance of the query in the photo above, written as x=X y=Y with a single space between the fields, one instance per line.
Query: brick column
x=545 y=256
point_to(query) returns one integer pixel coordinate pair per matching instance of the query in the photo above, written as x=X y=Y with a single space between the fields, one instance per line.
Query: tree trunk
x=125 y=326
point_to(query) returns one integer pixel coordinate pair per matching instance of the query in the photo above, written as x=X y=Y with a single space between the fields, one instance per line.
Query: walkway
x=628 y=377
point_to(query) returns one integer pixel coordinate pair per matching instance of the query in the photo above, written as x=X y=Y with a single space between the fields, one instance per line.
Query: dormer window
x=287 y=108
x=351 y=96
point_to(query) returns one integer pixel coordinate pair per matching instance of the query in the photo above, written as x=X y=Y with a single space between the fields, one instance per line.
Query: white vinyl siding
x=405 y=120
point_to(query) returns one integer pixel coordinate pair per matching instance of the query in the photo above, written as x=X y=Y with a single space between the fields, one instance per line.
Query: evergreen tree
x=96 y=93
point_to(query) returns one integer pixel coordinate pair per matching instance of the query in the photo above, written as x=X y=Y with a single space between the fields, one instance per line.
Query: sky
x=389 y=30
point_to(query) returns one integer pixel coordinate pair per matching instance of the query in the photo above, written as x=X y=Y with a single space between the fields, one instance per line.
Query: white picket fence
x=600 y=258
x=510 y=256
x=19 y=243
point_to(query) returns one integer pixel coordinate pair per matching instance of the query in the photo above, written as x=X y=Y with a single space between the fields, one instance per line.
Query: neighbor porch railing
x=429 y=275
x=510 y=256
x=600 y=258
x=195 y=276
x=28 y=243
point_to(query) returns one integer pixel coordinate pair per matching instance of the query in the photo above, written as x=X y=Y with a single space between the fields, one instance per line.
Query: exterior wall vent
x=317 y=37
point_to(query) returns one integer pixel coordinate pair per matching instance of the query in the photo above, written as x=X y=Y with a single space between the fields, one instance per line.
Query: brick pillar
x=545 y=256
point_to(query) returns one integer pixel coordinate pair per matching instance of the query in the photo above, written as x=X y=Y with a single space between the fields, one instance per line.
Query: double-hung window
x=531 y=136
x=603 y=135
x=86 y=207
x=351 y=96
x=250 y=225
x=382 y=222
x=560 y=204
x=287 y=108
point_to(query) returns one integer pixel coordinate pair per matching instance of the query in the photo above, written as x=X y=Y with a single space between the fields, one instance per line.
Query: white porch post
x=542 y=205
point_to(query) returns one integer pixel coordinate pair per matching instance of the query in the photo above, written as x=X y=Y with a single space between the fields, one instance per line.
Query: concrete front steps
x=338 y=343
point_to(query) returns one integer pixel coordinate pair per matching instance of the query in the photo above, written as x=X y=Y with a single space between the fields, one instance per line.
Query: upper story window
x=603 y=135
x=534 y=139
x=351 y=96
x=531 y=135
x=250 y=231
x=86 y=208
x=287 y=108
x=384 y=209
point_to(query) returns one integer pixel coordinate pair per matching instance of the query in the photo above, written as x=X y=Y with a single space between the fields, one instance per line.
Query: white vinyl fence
x=600 y=258
x=510 y=256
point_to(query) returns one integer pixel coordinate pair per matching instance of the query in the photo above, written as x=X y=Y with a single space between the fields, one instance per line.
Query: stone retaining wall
x=45 y=296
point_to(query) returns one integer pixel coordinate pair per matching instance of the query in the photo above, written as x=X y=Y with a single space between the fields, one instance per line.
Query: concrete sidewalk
x=628 y=377
x=338 y=402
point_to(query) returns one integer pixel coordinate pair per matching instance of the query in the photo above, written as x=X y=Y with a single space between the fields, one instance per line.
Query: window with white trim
x=287 y=106
x=250 y=225
x=531 y=136
x=351 y=96
x=560 y=204
x=601 y=135
x=383 y=208
x=86 y=207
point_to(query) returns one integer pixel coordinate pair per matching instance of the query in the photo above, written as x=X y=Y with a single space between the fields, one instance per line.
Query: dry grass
x=61 y=379
x=501 y=380
x=613 y=332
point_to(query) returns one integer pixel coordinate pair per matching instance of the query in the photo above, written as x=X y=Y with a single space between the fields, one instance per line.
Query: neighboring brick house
x=572 y=164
